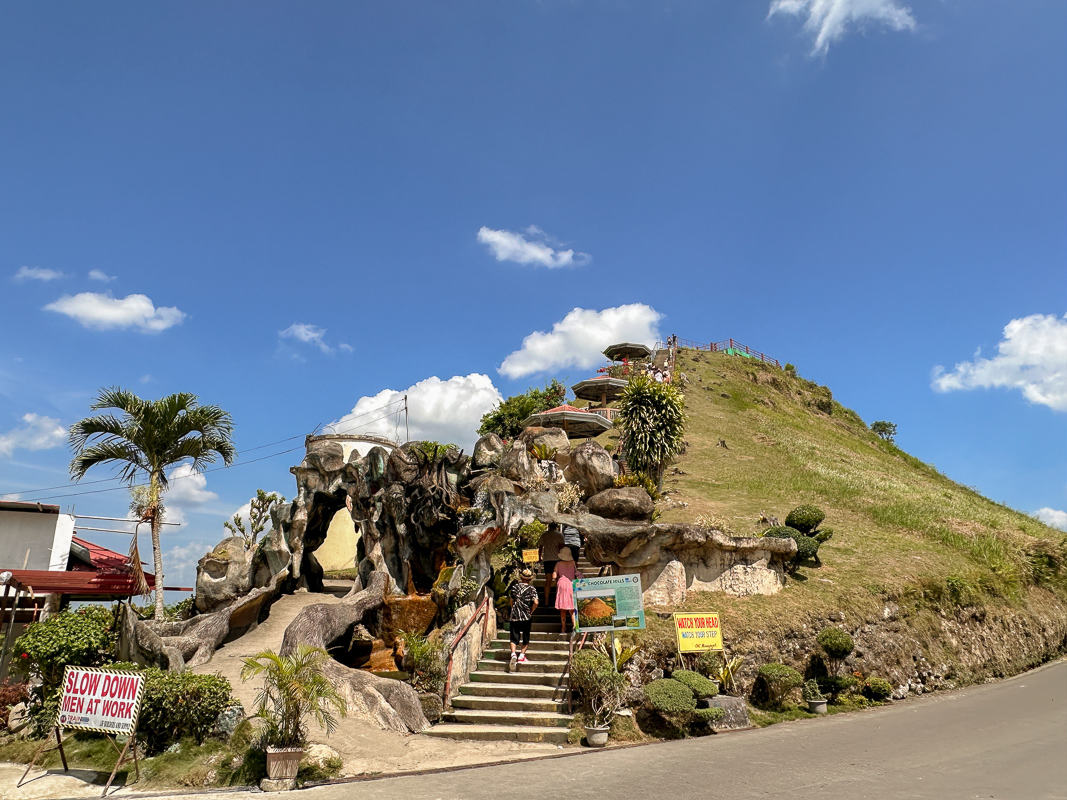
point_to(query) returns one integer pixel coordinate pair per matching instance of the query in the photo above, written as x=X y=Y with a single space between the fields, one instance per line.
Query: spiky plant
x=295 y=688
x=144 y=440
x=652 y=417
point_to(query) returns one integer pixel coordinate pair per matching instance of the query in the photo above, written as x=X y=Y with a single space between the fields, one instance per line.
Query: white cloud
x=346 y=347
x=186 y=491
x=307 y=334
x=179 y=563
x=1032 y=357
x=37 y=274
x=829 y=20
x=1053 y=517
x=100 y=275
x=539 y=249
x=580 y=337
x=445 y=411
x=10 y=497
x=35 y=433
x=103 y=312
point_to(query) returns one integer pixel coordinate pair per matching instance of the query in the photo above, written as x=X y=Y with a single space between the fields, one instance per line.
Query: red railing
x=729 y=344
x=483 y=612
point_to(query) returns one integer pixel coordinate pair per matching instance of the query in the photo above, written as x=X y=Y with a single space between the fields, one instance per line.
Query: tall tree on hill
x=652 y=418
x=146 y=438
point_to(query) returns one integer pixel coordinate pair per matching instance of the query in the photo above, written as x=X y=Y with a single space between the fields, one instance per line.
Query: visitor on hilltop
x=523 y=604
x=548 y=553
x=566 y=572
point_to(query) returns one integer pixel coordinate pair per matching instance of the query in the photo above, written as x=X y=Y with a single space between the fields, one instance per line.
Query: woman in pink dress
x=566 y=571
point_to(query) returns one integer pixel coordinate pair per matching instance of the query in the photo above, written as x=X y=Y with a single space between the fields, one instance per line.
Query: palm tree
x=143 y=441
x=652 y=418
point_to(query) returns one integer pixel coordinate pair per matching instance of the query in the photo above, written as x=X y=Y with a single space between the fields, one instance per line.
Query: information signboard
x=103 y=700
x=698 y=632
x=610 y=603
x=530 y=556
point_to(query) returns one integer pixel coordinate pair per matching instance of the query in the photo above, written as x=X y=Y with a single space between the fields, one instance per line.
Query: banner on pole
x=698 y=632
x=611 y=603
x=106 y=700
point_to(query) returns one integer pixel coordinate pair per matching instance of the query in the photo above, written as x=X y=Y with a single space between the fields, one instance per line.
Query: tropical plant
x=426 y=660
x=619 y=653
x=258 y=517
x=885 y=430
x=543 y=452
x=144 y=440
x=726 y=672
x=294 y=689
x=811 y=692
x=569 y=496
x=652 y=418
x=639 y=479
x=506 y=419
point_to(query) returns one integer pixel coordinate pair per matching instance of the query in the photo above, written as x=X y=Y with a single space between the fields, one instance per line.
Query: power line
x=247 y=450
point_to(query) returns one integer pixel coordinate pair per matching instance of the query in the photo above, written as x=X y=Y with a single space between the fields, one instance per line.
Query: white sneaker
x=523 y=659
x=513 y=662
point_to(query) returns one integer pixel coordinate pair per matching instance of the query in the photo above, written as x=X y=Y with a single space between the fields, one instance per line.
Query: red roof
x=101 y=557
x=565 y=407
x=45 y=581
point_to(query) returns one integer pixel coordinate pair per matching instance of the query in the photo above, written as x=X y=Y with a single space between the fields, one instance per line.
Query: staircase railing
x=483 y=613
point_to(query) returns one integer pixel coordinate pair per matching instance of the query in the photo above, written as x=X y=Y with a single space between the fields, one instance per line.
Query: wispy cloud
x=37 y=274
x=100 y=275
x=579 y=338
x=35 y=433
x=10 y=497
x=829 y=20
x=444 y=411
x=533 y=246
x=1032 y=357
x=307 y=334
x=104 y=312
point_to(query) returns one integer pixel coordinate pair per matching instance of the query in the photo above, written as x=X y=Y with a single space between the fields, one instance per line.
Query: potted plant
x=294 y=689
x=601 y=688
x=814 y=698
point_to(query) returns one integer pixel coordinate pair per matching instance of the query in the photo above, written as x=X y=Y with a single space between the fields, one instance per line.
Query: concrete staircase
x=528 y=704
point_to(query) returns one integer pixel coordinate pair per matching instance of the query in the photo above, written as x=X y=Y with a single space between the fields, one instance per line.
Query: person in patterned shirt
x=523 y=604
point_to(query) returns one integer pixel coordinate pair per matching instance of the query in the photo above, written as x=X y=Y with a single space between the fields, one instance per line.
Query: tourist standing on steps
x=572 y=537
x=566 y=571
x=548 y=552
x=523 y=604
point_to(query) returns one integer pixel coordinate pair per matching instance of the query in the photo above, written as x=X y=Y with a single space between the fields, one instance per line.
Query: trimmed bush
x=834 y=685
x=811 y=691
x=780 y=680
x=781 y=532
x=710 y=715
x=807 y=549
x=805 y=518
x=877 y=689
x=700 y=686
x=823 y=535
x=180 y=704
x=837 y=645
x=669 y=696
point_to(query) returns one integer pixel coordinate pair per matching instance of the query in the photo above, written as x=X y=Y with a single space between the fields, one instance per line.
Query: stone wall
x=470 y=649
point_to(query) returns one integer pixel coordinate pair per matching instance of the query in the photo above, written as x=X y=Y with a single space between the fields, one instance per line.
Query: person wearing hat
x=523 y=604
x=566 y=571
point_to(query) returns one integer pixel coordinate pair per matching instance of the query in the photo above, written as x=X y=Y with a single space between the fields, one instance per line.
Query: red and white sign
x=107 y=700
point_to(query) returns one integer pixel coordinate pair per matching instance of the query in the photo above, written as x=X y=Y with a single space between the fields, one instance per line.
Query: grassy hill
x=909 y=543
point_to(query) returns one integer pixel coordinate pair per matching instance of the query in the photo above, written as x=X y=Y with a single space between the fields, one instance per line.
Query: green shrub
x=701 y=686
x=639 y=479
x=781 y=532
x=807 y=549
x=709 y=663
x=82 y=638
x=426 y=660
x=180 y=704
x=710 y=715
x=670 y=696
x=837 y=645
x=779 y=681
x=805 y=518
x=877 y=689
x=589 y=670
x=835 y=685
x=811 y=691
x=823 y=535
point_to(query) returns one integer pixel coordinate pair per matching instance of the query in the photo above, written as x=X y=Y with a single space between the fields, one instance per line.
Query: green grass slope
x=903 y=533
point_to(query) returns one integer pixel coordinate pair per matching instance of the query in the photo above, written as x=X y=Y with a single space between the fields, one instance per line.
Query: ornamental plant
x=294 y=689
x=811 y=692
x=877 y=689
x=805 y=518
x=779 y=680
x=599 y=685
x=652 y=418
x=697 y=683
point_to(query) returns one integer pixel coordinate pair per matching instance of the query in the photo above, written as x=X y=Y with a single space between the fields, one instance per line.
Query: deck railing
x=729 y=344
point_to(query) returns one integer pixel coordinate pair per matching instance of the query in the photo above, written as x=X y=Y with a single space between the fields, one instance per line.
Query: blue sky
x=298 y=211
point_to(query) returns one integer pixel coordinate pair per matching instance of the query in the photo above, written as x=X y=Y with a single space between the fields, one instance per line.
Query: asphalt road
x=1005 y=740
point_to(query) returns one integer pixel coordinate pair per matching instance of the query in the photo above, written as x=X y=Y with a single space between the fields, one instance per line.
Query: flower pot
x=283 y=762
x=596 y=737
x=816 y=706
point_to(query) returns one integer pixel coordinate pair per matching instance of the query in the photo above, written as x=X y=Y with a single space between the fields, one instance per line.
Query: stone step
x=500 y=733
x=537 y=651
x=536 y=645
x=530 y=691
x=552 y=667
x=479 y=703
x=546 y=719
x=536 y=636
x=527 y=677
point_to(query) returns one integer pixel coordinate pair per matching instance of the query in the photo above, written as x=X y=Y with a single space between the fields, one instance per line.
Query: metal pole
x=407 y=430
